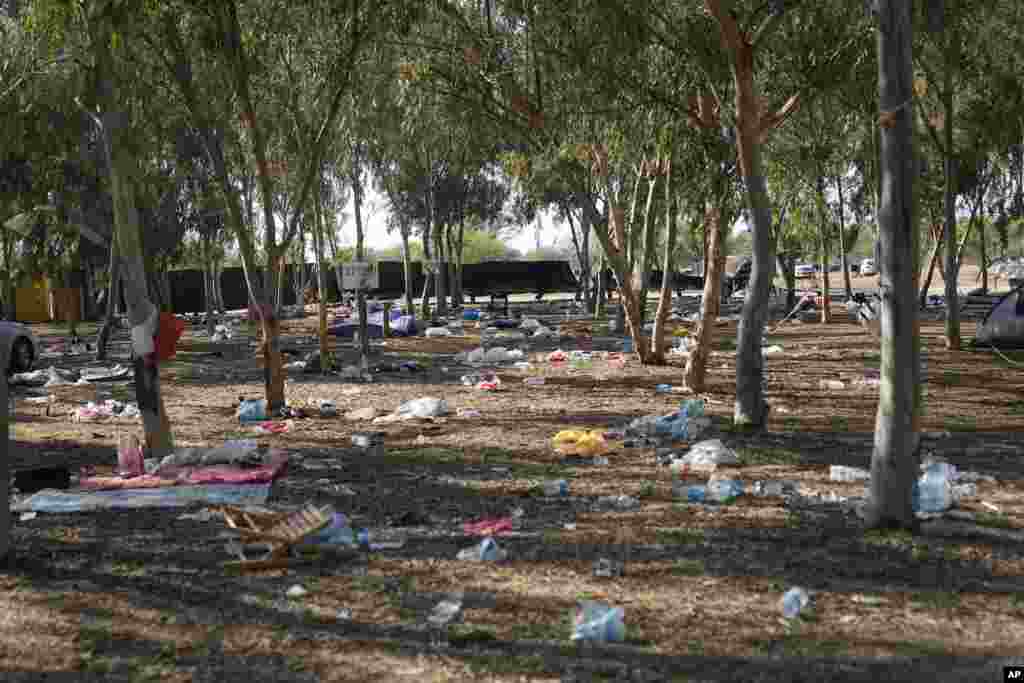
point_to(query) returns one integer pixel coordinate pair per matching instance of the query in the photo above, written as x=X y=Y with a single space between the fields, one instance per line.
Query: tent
x=1004 y=324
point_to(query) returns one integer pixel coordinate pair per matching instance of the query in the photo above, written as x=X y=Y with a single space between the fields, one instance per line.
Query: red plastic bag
x=167 y=336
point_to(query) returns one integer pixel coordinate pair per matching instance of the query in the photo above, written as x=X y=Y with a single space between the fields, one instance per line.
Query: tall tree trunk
x=751 y=409
x=440 y=271
x=667 y=269
x=826 y=297
x=211 y=292
x=787 y=265
x=321 y=281
x=843 y=262
x=428 y=265
x=696 y=366
x=357 y=204
x=457 y=258
x=647 y=248
x=407 y=269
x=932 y=261
x=894 y=461
x=984 y=253
x=332 y=239
x=952 y=265
x=113 y=294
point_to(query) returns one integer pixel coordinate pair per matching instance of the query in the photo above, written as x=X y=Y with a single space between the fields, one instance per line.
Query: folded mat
x=165 y=497
x=272 y=467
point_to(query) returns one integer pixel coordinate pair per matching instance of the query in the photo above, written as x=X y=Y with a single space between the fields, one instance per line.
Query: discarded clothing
x=173 y=496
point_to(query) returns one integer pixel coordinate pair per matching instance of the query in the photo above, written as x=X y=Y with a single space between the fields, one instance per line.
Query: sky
x=375 y=215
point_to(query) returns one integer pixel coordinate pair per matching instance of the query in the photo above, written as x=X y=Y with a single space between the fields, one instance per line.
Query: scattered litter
x=296 y=366
x=544 y=333
x=438 y=332
x=488 y=527
x=327 y=408
x=573 y=442
x=771 y=350
x=204 y=515
x=724 y=490
x=92 y=412
x=297 y=592
x=529 y=324
x=599 y=623
x=423 y=407
x=794 y=602
x=129 y=456
x=687 y=423
x=621 y=502
x=38 y=399
x=557 y=356
x=367 y=439
x=990 y=506
x=273 y=427
x=831 y=384
x=486 y=551
x=252 y=410
x=708 y=455
x=445 y=613
x=774 y=488
x=844 y=473
x=28 y=516
x=534 y=381
x=559 y=487
x=468 y=413
x=663 y=388
x=125 y=499
x=605 y=568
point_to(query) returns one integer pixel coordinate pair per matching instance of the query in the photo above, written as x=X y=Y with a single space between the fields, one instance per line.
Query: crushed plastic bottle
x=559 y=487
x=933 y=492
x=599 y=623
x=793 y=602
x=775 y=488
x=486 y=551
x=725 y=490
x=844 y=473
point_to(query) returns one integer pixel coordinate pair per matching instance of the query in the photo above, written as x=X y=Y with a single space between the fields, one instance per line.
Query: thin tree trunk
x=357 y=204
x=952 y=265
x=932 y=261
x=647 y=248
x=208 y=269
x=427 y=267
x=5 y=463
x=843 y=263
x=984 y=253
x=826 y=299
x=894 y=461
x=696 y=365
x=786 y=265
x=321 y=282
x=113 y=294
x=440 y=271
x=407 y=270
x=668 y=266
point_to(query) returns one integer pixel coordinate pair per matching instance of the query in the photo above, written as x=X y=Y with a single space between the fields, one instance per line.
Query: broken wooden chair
x=280 y=532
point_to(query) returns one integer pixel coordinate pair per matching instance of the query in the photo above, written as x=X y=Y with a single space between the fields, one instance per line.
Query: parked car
x=868 y=268
x=804 y=270
x=21 y=346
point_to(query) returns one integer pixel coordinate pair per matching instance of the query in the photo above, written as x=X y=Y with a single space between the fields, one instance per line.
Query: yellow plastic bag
x=574 y=442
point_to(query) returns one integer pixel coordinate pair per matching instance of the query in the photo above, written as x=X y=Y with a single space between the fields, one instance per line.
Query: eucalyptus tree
x=288 y=111
x=894 y=461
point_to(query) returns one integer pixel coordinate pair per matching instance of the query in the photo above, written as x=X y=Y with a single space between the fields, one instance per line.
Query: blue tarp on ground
x=401 y=326
x=129 y=499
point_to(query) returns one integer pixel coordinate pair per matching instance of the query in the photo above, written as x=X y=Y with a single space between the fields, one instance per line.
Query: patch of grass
x=541 y=630
x=961 y=423
x=768 y=456
x=500 y=665
x=462 y=635
x=951 y=553
x=993 y=519
x=920 y=552
x=920 y=648
x=128 y=568
x=791 y=423
x=295 y=664
x=794 y=519
x=688 y=568
x=680 y=536
x=647 y=490
x=840 y=424
x=92 y=634
x=431 y=454
x=726 y=344
x=936 y=600
x=894 y=538
x=1016 y=408
x=1017 y=600
x=950 y=378
x=551 y=537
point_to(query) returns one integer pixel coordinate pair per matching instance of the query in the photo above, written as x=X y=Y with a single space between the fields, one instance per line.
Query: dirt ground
x=141 y=595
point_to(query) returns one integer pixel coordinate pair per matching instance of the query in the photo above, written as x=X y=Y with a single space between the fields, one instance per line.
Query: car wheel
x=21 y=356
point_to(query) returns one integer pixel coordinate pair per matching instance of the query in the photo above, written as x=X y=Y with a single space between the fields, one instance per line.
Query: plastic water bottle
x=794 y=601
x=844 y=473
x=725 y=490
x=934 y=491
x=663 y=388
x=696 y=494
x=559 y=487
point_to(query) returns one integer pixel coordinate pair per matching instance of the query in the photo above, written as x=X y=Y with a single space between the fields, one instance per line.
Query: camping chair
x=281 y=532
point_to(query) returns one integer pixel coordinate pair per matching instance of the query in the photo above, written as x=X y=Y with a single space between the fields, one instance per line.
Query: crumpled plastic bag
x=574 y=442
x=485 y=551
x=544 y=333
x=438 y=332
x=599 y=623
x=252 y=410
x=710 y=454
x=529 y=324
x=426 y=406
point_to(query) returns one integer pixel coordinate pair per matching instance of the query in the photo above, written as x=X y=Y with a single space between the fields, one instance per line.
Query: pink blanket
x=274 y=467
